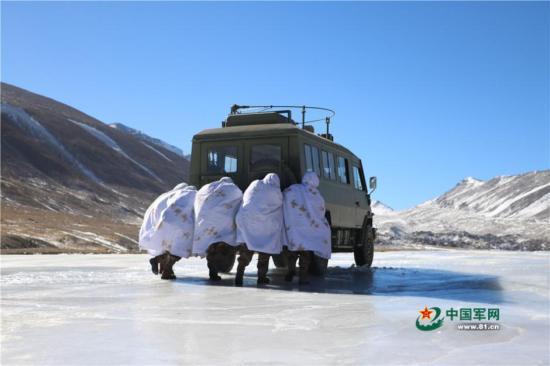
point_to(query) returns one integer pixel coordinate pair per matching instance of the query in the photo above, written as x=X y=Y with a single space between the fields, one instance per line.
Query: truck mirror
x=372 y=183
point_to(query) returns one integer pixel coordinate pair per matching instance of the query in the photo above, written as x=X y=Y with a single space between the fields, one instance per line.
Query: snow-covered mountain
x=71 y=182
x=148 y=140
x=507 y=212
x=380 y=208
x=522 y=196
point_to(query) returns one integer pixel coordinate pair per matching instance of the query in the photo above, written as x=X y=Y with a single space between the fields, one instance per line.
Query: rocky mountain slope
x=508 y=212
x=147 y=140
x=70 y=181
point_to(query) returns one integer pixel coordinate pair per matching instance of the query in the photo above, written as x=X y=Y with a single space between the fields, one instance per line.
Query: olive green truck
x=250 y=145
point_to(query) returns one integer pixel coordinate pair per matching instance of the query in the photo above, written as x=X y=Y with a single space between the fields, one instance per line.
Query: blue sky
x=426 y=93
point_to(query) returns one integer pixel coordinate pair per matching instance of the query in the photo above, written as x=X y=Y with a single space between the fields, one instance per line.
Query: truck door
x=358 y=181
x=263 y=156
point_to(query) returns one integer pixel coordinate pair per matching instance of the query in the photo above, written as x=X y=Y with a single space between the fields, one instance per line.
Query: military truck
x=249 y=145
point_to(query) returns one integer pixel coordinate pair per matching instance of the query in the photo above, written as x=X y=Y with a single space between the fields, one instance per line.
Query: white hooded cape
x=304 y=214
x=168 y=223
x=260 y=217
x=215 y=207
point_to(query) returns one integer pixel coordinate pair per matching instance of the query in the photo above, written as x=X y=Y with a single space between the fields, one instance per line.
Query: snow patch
x=380 y=208
x=158 y=152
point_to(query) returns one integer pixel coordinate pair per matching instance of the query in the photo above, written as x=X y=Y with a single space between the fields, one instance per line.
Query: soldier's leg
x=292 y=257
x=245 y=256
x=211 y=262
x=162 y=261
x=263 y=266
x=155 y=263
x=305 y=259
x=168 y=273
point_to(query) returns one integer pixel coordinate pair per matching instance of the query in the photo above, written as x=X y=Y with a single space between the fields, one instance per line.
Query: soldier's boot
x=211 y=258
x=239 y=276
x=155 y=263
x=168 y=273
x=305 y=259
x=213 y=272
x=291 y=266
x=245 y=256
x=263 y=266
x=172 y=260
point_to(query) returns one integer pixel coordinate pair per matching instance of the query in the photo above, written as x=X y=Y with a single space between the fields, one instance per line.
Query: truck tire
x=318 y=266
x=226 y=264
x=364 y=251
x=280 y=260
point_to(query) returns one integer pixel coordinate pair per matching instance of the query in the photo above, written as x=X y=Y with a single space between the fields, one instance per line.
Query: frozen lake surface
x=110 y=309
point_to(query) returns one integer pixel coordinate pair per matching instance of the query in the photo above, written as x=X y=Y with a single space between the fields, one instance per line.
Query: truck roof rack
x=264 y=114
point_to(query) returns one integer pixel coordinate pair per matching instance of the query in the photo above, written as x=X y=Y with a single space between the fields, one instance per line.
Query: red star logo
x=426 y=313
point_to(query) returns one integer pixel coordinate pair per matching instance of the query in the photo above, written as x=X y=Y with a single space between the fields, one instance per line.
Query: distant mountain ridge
x=147 y=138
x=506 y=212
x=60 y=165
x=523 y=196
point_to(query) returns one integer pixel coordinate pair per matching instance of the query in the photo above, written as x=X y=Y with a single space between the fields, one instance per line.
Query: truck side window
x=222 y=159
x=309 y=161
x=357 y=178
x=312 y=159
x=315 y=156
x=343 y=174
x=266 y=153
x=328 y=165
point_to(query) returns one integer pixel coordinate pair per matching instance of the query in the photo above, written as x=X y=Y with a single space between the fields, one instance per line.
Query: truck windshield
x=222 y=159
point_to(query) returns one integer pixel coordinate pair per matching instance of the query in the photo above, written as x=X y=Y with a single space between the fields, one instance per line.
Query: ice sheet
x=109 y=309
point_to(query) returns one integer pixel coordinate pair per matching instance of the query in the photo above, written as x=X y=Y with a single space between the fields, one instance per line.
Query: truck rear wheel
x=280 y=260
x=318 y=266
x=364 y=251
x=227 y=259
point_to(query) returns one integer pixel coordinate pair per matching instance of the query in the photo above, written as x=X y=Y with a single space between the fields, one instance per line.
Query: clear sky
x=426 y=93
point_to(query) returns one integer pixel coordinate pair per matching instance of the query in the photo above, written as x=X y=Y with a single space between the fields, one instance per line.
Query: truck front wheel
x=364 y=251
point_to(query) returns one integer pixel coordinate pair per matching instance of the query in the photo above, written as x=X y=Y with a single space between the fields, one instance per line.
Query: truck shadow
x=380 y=281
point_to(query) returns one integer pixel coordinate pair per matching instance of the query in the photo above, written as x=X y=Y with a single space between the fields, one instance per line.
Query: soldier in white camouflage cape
x=216 y=205
x=167 y=229
x=307 y=229
x=260 y=225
